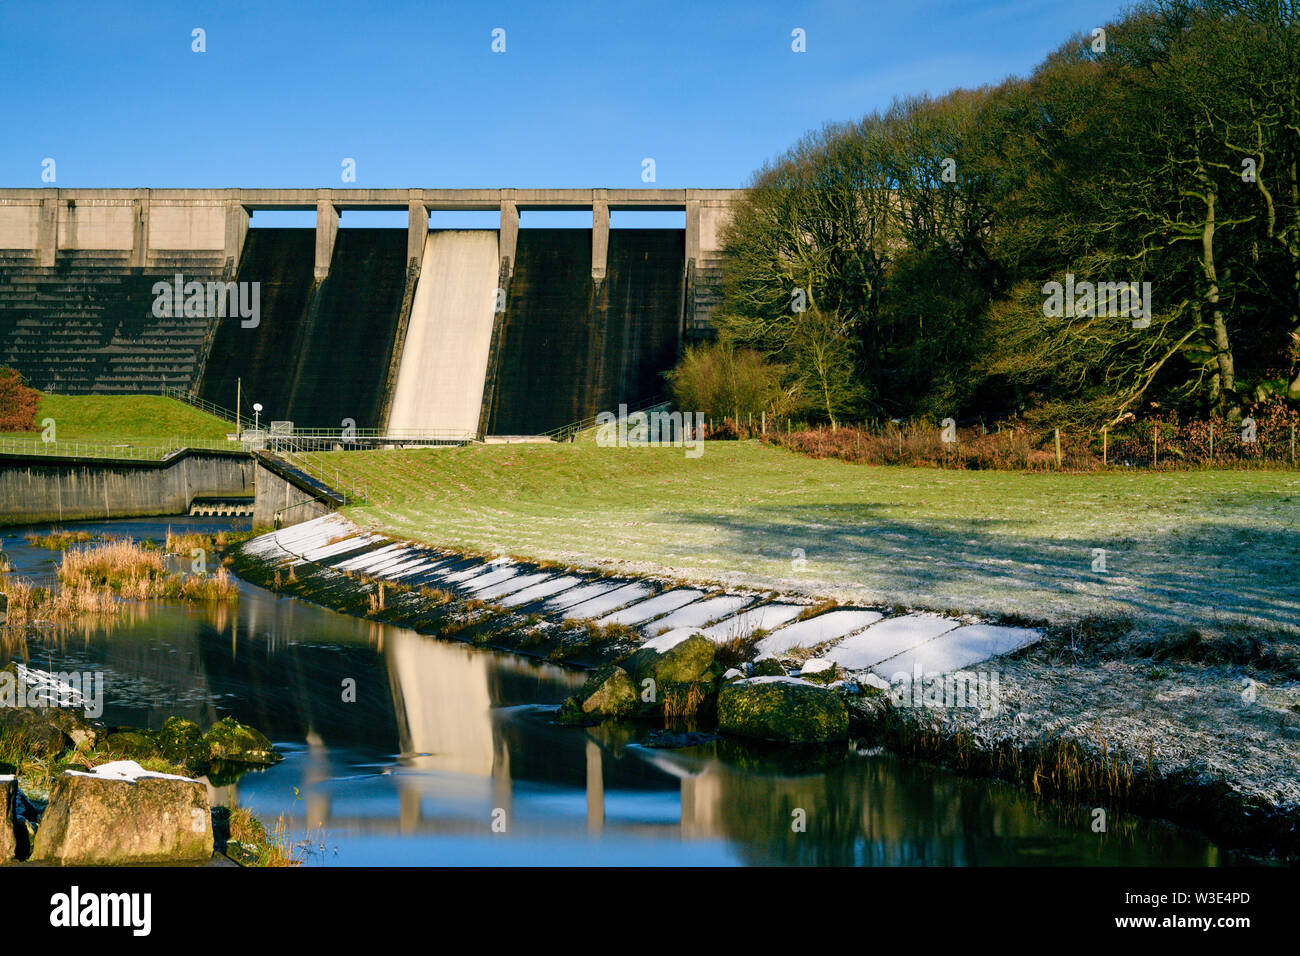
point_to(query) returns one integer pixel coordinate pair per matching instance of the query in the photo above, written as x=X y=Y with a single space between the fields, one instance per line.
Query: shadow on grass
x=1207 y=573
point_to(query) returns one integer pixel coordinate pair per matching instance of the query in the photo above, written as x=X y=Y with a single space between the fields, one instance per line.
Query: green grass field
x=123 y=419
x=1210 y=548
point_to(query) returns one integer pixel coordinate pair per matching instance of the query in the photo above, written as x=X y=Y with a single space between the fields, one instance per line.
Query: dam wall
x=262 y=358
x=39 y=488
x=445 y=355
x=592 y=317
x=347 y=336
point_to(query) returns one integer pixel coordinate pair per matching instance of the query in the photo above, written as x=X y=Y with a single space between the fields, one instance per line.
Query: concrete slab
x=576 y=595
x=746 y=622
x=957 y=649
x=604 y=603
x=700 y=613
x=882 y=641
x=816 y=630
x=539 y=591
x=511 y=585
x=651 y=608
x=497 y=576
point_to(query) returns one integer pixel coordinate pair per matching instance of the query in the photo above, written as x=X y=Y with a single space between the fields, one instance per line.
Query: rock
x=82 y=733
x=608 y=693
x=782 y=709
x=571 y=714
x=818 y=670
x=121 y=815
x=684 y=663
x=875 y=684
x=131 y=743
x=181 y=742
x=767 y=667
x=8 y=820
x=230 y=741
x=38 y=727
x=732 y=674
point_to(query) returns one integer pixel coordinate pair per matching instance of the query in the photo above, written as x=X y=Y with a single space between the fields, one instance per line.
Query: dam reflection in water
x=402 y=749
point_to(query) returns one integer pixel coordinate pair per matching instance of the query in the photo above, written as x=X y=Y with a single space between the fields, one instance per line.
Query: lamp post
x=257 y=413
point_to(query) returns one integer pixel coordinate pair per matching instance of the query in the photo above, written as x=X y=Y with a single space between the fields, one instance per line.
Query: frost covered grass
x=1211 y=548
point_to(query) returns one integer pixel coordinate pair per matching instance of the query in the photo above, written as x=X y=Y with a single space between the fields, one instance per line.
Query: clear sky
x=413 y=92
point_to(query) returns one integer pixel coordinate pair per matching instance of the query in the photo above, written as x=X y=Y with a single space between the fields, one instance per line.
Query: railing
x=351 y=491
x=566 y=432
x=181 y=395
x=123 y=450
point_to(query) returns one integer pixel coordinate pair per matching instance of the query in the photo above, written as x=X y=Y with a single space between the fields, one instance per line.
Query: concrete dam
x=473 y=332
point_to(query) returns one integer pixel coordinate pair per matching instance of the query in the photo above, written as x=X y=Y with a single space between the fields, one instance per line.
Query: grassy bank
x=1216 y=549
x=129 y=419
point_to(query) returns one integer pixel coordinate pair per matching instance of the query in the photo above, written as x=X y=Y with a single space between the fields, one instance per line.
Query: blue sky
x=413 y=92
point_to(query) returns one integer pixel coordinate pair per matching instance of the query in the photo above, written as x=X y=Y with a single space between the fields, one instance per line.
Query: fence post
x=1155 y=444
x=1058 y=447
x=1211 y=443
x=1103 y=445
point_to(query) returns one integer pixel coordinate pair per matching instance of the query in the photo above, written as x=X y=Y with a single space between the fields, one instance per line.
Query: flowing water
x=403 y=749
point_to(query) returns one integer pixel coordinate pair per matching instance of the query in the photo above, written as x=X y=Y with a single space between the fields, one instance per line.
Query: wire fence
x=110 y=450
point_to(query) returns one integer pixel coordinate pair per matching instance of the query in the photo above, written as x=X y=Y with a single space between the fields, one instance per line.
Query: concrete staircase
x=86 y=325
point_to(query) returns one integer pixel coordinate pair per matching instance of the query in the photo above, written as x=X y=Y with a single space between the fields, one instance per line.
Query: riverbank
x=1200 y=729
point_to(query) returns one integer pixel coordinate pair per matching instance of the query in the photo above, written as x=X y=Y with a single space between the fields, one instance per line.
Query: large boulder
x=181 y=742
x=681 y=663
x=133 y=743
x=782 y=709
x=229 y=741
x=8 y=819
x=122 y=814
x=609 y=692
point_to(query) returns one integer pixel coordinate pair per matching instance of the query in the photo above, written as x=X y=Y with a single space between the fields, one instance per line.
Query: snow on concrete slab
x=328 y=550
x=420 y=567
x=604 y=603
x=377 y=564
x=462 y=577
x=956 y=649
x=700 y=613
x=579 y=594
x=516 y=583
x=892 y=636
x=544 y=590
x=504 y=573
x=370 y=557
x=644 y=611
x=765 y=616
x=816 y=630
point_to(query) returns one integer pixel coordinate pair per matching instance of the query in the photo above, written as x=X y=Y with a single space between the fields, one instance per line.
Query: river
x=402 y=749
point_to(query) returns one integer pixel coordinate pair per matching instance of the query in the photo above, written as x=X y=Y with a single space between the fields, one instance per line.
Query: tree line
x=1117 y=233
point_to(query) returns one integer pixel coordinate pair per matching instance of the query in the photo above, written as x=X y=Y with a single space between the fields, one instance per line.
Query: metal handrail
x=124 y=450
x=573 y=428
x=181 y=395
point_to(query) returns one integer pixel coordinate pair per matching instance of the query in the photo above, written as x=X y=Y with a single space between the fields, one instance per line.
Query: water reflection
x=403 y=750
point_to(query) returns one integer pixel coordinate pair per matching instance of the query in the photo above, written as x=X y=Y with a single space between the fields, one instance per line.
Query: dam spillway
x=391 y=329
x=445 y=355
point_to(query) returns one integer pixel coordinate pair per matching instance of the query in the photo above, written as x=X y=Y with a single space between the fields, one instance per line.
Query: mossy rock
x=571 y=714
x=819 y=671
x=684 y=663
x=784 y=710
x=229 y=741
x=36 y=728
x=131 y=743
x=767 y=667
x=609 y=692
x=182 y=743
